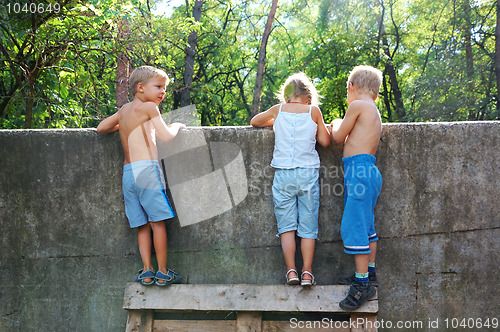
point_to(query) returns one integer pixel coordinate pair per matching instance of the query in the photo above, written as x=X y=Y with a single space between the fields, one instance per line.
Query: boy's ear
x=351 y=87
x=140 y=87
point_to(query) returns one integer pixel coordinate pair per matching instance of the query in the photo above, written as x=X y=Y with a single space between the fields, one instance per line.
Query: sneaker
x=372 y=276
x=358 y=295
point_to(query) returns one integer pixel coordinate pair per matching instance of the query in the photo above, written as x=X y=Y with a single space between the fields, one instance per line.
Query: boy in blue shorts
x=146 y=202
x=360 y=132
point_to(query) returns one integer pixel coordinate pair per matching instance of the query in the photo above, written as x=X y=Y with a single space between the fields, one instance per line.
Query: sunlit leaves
x=72 y=57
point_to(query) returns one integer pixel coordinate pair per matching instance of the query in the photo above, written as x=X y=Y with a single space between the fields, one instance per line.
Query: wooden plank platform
x=249 y=302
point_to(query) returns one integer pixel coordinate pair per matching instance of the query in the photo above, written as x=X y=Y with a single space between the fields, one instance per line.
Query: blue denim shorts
x=362 y=185
x=144 y=193
x=296 y=201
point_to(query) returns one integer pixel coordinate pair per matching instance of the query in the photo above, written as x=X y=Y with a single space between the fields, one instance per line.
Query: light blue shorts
x=144 y=193
x=362 y=184
x=296 y=201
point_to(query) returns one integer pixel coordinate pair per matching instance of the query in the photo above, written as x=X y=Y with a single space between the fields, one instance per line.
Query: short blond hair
x=298 y=85
x=365 y=79
x=143 y=74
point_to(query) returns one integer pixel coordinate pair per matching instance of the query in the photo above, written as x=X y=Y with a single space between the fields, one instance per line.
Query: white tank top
x=295 y=140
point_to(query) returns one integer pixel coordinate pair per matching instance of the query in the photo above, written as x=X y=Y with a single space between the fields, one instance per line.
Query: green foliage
x=58 y=70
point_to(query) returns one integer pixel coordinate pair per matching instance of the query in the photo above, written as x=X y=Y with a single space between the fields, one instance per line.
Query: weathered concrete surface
x=66 y=252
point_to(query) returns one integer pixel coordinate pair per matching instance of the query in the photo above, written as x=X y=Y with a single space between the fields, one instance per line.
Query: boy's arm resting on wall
x=109 y=125
x=342 y=128
x=322 y=135
x=265 y=119
x=164 y=132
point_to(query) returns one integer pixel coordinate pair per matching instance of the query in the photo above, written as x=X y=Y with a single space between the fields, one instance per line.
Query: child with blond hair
x=146 y=203
x=360 y=132
x=298 y=124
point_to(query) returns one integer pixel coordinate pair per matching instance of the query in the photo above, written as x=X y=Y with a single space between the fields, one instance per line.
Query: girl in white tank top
x=298 y=124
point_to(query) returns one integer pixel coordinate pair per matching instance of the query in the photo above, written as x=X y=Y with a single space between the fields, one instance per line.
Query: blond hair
x=298 y=85
x=143 y=74
x=365 y=79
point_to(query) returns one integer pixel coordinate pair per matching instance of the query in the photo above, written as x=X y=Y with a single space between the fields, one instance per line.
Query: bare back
x=137 y=132
x=365 y=134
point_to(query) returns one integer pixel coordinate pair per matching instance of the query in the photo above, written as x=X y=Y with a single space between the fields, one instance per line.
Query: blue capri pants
x=296 y=201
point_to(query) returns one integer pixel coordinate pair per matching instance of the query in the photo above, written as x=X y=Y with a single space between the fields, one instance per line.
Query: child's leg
x=373 y=248
x=307 y=247
x=371 y=263
x=308 y=208
x=361 y=261
x=288 y=247
x=160 y=242
x=144 y=242
x=361 y=289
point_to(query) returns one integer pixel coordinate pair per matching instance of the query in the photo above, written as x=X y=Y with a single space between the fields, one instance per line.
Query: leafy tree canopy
x=58 y=69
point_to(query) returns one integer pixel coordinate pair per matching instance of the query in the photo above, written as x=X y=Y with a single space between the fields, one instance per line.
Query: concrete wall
x=66 y=251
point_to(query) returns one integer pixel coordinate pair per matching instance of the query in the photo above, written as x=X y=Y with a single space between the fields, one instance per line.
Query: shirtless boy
x=360 y=132
x=146 y=202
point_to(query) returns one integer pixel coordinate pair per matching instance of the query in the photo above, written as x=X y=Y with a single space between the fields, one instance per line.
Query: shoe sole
x=146 y=283
x=357 y=307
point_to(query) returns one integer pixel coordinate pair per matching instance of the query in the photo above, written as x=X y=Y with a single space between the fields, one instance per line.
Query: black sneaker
x=357 y=296
x=372 y=276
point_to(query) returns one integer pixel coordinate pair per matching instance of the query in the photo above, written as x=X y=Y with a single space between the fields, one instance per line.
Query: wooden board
x=240 y=297
x=193 y=325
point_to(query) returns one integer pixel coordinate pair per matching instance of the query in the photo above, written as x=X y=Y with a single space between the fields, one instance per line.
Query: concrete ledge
x=241 y=297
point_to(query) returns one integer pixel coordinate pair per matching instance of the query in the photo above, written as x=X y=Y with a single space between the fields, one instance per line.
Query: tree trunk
x=262 y=60
x=185 y=95
x=387 y=101
x=396 y=92
x=240 y=84
x=28 y=116
x=122 y=66
x=497 y=58
x=469 y=60
x=391 y=71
